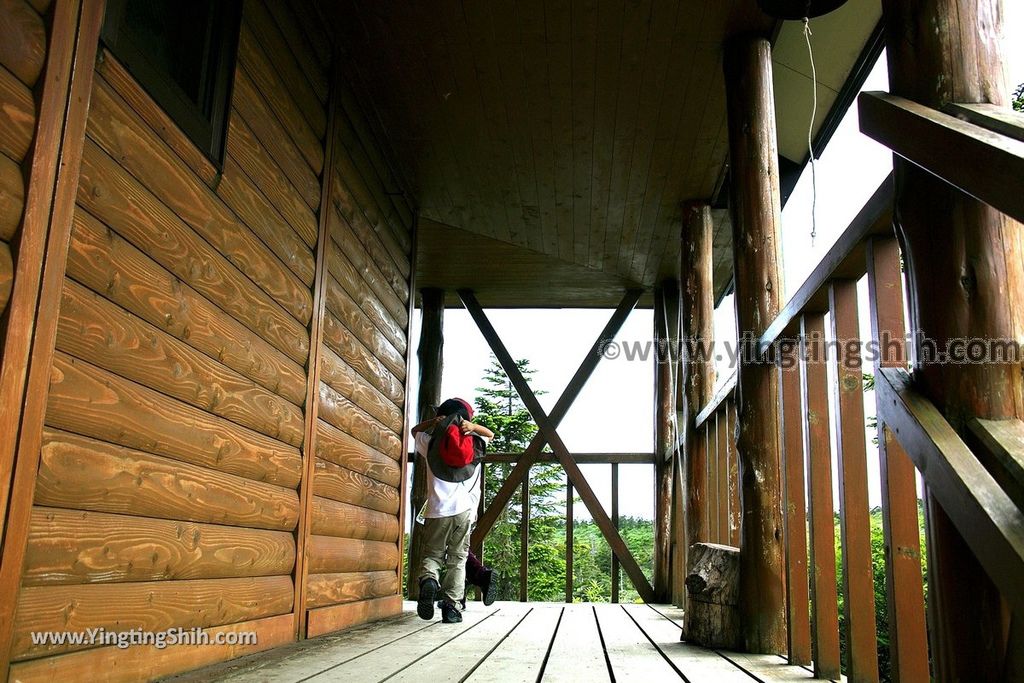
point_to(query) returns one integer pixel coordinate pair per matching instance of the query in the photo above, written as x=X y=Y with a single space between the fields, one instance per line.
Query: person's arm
x=426 y=425
x=473 y=428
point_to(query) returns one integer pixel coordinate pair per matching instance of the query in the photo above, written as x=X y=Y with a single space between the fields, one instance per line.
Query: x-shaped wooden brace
x=547 y=434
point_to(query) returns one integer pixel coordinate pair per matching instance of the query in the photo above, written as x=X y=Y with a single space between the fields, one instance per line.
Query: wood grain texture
x=90 y=401
x=264 y=29
x=260 y=166
x=346 y=416
x=245 y=199
x=147 y=662
x=12 y=197
x=345 y=486
x=331 y=518
x=334 y=589
x=315 y=31
x=329 y=619
x=17 y=116
x=23 y=49
x=345 y=239
x=150 y=606
x=345 y=309
x=105 y=262
x=113 y=196
x=251 y=106
x=6 y=275
x=260 y=70
x=328 y=555
x=126 y=138
x=340 y=340
x=96 y=330
x=124 y=84
x=79 y=547
x=341 y=377
x=288 y=24
x=82 y=473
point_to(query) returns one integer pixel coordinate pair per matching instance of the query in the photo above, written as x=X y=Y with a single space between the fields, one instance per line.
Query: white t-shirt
x=446 y=498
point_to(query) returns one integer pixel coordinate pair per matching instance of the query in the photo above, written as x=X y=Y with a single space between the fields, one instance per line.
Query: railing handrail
x=725 y=391
x=611 y=458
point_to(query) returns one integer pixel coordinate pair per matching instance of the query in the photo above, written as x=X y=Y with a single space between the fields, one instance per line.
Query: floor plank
x=631 y=654
x=769 y=668
x=576 y=654
x=519 y=658
x=695 y=663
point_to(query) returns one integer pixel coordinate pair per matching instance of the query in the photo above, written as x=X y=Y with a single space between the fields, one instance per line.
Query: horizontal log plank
x=275 y=140
x=334 y=445
x=126 y=138
x=297 y=42
x=329 y=619
x=345 y=239
x=348 y=209
x=264 y=172
x=260 y=70
x=340 y=340
x=353 y=283
x=87 y=400
x=6 y=275
x=335 y=589
x=149 y=606
x=105 y=262
x=265 y=30
x=110 y=194
x=345 y=486
x=331 y=555
x=17 y=116
x=149 y=662
x=338 y=411
x=980 y=162
x=96 y=330
x=12 y=197
x=80 y=473
x=244 y=198
x=987 y=518
x=345 y=309
x=23 y=48
x=341 y=377
x=75 y=547
x=125 y=85
x=312 y=25
x=331 y=518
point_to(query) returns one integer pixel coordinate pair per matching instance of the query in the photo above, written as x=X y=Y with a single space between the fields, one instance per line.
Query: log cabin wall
x=179 y=437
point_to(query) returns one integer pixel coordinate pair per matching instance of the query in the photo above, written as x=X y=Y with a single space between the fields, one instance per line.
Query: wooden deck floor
x=509 y=641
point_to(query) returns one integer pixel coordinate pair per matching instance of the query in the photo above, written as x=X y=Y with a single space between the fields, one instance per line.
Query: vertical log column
x=431 y=359
x=698 y=311
x=753 y=154
x=967 y=284
x=666 y=337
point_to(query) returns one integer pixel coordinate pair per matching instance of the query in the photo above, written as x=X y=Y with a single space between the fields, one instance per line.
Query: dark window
x=183 y=53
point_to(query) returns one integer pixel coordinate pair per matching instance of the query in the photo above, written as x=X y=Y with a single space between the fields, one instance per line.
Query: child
x=446 y=444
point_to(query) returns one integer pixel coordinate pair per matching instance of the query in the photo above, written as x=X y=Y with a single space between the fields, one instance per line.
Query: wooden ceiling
x=572 y=129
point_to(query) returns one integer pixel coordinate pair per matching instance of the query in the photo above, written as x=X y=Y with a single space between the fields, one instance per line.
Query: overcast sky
x=614 y=413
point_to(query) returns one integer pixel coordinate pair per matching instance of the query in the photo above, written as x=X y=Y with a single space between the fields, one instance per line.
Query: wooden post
x=753 y=155
x=698 y=368
x=666 y=338
x=524 y=540
x=615 y=523
x=568 y=540
x=969 y=284
x=431 y=359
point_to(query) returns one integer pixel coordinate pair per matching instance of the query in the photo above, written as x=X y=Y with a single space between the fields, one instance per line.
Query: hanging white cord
x=810 y=132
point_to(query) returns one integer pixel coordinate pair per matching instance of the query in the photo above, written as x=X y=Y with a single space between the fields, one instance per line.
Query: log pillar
x=431 y=359
x=967 y=284
x=698 y=310
x=755 y=204
x=666 y=338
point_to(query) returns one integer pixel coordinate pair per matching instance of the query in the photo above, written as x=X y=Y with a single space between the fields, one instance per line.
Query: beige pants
x=446 y=545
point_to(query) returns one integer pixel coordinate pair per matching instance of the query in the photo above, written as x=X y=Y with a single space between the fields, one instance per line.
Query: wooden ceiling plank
x=584 y=57
x=558 y=26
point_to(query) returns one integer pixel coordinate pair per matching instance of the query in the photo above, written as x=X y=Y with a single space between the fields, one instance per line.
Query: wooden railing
x=613 y=460
x=716 y=465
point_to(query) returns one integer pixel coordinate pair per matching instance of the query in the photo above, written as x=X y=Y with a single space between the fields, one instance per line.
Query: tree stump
x=712 y=616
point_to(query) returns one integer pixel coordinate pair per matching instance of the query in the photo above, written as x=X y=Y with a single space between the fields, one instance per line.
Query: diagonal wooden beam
x=532 y=454
x=545 y=426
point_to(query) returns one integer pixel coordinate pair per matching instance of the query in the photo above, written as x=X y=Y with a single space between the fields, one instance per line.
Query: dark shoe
x=489 y=587
x=450 y=614
x=428 y=592
x=461 y=602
